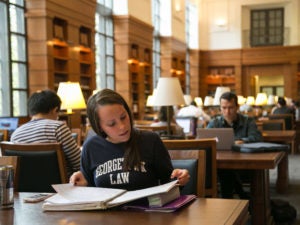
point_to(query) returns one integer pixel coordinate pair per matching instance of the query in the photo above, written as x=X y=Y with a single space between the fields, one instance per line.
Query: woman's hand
x=182 y=176
x=78 y=179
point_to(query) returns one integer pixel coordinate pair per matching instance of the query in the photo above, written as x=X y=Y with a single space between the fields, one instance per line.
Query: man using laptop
x=245 y=131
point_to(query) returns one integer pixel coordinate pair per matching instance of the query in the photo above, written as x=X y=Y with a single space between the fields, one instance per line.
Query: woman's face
x=115 y=122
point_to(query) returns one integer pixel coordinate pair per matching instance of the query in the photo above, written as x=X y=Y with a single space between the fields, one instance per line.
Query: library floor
x=292 y=195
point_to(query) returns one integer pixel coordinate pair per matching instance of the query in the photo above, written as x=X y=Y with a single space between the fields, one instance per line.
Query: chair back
x=194 y=161
x=3 y=135
x=209 y=146
x=275 y=124
x=40 y=165
x=288 y=118
x=76 y=134
x=160 y=130
x=11 y=160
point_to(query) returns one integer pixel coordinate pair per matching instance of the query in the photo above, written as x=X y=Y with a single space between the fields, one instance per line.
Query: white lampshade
x=71 y=96
x=219 y=92
x=261 y=99
x=187 y=99
x=168 y=92
x=250 y=100
x=198 y=101
x=241 y=100
x=208 y=101
x=149 y=100
x=271 y=100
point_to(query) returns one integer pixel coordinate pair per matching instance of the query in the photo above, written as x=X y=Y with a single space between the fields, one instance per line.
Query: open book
x=71 y=198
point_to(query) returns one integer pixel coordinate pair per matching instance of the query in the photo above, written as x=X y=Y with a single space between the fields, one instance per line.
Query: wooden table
x=200 y=212
x=281 y=136
x=259 y=163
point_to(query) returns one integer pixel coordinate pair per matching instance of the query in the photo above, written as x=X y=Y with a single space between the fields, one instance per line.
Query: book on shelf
x=72 y=198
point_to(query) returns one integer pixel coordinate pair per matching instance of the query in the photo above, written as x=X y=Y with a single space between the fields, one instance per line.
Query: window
x=188 y=22
x=156 y=41
x=13 y=59
x=267 y=27
x=272 y=90
x=104 y=43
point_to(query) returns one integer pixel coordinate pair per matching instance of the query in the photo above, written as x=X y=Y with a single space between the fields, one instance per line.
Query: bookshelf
x=86 y=71
x=298 y=79
x=148 y=79
x=140 y=72
x=147 y=73
x=178 y=70
x=60 y=62
x=220 y=76
x=135 y=86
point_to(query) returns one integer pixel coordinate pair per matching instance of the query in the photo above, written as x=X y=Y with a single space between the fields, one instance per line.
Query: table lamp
x=168 y=93
x=71 y=97
x=219 y=92
x=250 y=100
x=271 y=100
x=208 y=101
x=241 y=100
x=198 y=101
x=261 y=99
x=149 y=102
x=187 y=99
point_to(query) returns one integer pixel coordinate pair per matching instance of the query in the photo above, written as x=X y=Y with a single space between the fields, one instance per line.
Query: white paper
x=133 y=195
x=68 y=193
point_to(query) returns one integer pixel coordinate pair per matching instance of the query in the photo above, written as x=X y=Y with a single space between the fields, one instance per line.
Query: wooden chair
x=275 y=124
x=76 y=134
x=161 y=130
x=195 y=162
x=288 y=118
x=3 y=135
x=154 y=128
x=11 y=160
x=40 y=165
x=142 y=122
x=207 y=145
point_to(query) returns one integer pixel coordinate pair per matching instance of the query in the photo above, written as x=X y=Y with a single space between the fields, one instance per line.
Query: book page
x=134 y=195
x=70 y=194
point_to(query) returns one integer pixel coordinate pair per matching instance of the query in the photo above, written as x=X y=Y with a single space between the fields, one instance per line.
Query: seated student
x=163 y=118
x=282 y=108
x=245 y=130
x=44 y=127
x=120 y=156
x=193 y=110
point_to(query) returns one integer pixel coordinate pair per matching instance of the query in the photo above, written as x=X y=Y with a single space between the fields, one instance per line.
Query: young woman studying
x=119 y=156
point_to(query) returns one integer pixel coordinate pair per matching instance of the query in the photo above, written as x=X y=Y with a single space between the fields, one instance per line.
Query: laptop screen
x=189 y=124
x=224 y=136
x=9 y=123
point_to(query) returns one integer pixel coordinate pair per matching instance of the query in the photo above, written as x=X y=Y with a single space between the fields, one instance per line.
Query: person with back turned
x=44 y=127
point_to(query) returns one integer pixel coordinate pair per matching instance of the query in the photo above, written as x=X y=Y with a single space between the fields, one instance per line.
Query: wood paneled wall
x=248 y=62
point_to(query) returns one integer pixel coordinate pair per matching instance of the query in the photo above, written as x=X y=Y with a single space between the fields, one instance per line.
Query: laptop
x=9 y=123
x=188 y=123
x=224 y=136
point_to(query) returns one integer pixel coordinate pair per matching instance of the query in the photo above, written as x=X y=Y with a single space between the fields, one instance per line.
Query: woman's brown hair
x=132 y=158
